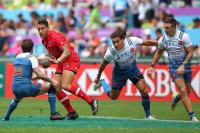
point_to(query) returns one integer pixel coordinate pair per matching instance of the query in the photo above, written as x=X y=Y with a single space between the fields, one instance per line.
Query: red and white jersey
x=54 y=41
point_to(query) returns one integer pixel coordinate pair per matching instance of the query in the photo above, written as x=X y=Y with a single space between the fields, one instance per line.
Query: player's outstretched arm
x=155 y=60
x=40 y=75
x=101 y=68
x=149 y=43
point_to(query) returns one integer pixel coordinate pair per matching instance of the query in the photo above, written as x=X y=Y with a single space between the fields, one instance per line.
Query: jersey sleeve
x=161 y=44
x=186 y=40
x=136 y=40
x=34 y=61
x=60 y=40
x=108 y=56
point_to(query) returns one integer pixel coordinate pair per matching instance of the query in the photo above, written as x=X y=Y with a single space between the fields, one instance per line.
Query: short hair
x=171 y=20
x=159 y=30
x=118 y=33
x=44 y=22
x=27 y=45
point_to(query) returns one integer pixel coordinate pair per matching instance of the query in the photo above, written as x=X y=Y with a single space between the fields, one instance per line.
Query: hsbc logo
x=86 y=82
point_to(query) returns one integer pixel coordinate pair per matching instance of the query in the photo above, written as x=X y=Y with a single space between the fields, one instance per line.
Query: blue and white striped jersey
x=126 y=57
x=175 y=47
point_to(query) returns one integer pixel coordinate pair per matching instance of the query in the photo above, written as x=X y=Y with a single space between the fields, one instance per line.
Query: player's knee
x=183 y=91
x=144 y=90
x=66 y=87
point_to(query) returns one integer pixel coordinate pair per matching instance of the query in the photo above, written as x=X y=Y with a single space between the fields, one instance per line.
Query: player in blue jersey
x=123 y=52
x=180 y=52
x=24 y=64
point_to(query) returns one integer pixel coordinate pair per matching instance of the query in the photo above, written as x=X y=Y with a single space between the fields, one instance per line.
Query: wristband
x=98 y=76
x=58 y=60
x=152 y=65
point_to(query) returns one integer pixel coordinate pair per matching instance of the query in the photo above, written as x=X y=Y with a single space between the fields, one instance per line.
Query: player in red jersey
x=68 y=65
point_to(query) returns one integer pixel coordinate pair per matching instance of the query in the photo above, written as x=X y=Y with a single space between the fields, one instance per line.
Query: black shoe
x=94 y=106
x=5 y=119
x=56 y=116
x=72 y=116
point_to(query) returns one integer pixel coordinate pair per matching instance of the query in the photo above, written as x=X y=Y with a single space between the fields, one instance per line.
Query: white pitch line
x=139 y=119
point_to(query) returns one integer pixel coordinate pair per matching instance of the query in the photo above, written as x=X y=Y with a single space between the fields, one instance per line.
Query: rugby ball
x=43 y=59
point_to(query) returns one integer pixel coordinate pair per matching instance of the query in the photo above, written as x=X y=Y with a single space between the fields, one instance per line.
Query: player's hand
x=150 y=71
x=34 y=77
x=96 y=80
x=180 y=70
x=55 y=83
x=45 y=66
x=53 y=61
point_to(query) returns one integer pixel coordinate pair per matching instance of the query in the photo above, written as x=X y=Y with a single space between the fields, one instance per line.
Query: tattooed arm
x=65 y=54
x=40 y=75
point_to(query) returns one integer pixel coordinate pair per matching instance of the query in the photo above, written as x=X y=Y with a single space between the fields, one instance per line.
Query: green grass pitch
x=32 y=115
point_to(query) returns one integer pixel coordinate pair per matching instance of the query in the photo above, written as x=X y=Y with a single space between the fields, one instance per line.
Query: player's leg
x=68 y=77
x=11 y=108
x=140 y=83
x=63 y=98
x=180 y=84
x=48 y=88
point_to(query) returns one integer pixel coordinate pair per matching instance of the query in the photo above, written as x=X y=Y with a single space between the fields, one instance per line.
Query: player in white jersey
x=22 y=86
x=180 y=52
x=123 y=53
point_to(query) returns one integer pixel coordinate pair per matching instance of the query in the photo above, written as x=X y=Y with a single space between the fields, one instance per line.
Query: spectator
x=1 y=4
x=81 y=23
x=71 y=20
x=102 y=48
x=120 y=9
x=93 y=38
x=155 y=22
x=162 y=15
x=43 y=5
x=52 y=23
x=196 y=23
x=94 y=18
x=142 y=8
x=158 y=34
x=29 y=6
x=80 y=41
x=133 y=4
x=66 y=4
x=16 y=49
x=62 y=26
x=54 y=4
x=21 y=19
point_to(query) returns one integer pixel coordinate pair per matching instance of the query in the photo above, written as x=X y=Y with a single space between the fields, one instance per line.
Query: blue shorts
x=28 y=90
x=119 y=77
x=187 y=75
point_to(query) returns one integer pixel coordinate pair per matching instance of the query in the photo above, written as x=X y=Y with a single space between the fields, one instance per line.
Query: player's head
x=170 y=26
x=27 y=45
x=43 y=28
x=118 y=38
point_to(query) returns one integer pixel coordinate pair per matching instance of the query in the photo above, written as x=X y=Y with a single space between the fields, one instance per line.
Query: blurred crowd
x=146 y=14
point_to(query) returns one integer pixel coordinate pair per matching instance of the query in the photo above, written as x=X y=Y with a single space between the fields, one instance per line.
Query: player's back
x=22 y=69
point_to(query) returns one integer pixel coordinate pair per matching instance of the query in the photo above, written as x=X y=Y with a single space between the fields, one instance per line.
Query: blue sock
x=146 y=105
x=176 y=99
x=191 y=114
x=106 y=87
x=11 y=108
x=52 y=101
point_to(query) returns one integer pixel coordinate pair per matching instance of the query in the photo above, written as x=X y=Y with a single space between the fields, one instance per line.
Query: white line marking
x=138 y=119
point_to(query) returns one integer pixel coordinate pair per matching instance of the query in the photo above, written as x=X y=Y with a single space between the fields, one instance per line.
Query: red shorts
x=72 y=63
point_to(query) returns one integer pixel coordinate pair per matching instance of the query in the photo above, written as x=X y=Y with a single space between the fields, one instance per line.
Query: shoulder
x=134 y=40
x=111 y=51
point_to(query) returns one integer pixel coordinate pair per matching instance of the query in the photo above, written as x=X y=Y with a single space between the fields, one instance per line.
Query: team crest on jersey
x=167 y=46
x=36 y=83
x=48 y=42
x=115 y=83
x=180 y=42
x=173 y=75
x=67 y=65
x=132 y=49
x=118 y=58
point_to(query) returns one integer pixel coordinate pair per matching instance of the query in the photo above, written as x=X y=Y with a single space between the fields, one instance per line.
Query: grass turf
x=33 y=114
